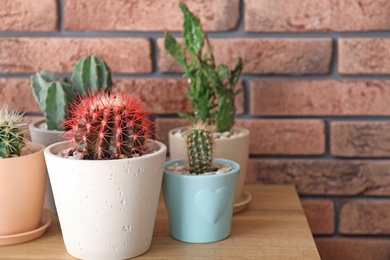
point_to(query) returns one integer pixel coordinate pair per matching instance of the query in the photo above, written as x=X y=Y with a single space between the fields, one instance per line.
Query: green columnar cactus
x=212 y=89
x=91 y=73
x=11 y=133
x=200 y=147
x=108 y=126
x=54 y=96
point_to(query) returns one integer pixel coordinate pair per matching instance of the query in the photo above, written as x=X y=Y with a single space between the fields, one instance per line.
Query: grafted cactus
x=200 y=147
x=11 y=133
x=54 y=96
x=109 y=126
x=91 y=74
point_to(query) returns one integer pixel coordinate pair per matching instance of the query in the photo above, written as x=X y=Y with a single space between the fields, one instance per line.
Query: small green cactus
x=54 y=96
x=200 y=147
x=212 y=89
x=90 y=74
x=11 y=133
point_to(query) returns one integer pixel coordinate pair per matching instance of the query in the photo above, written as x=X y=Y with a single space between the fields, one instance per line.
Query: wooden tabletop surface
x=273 y=226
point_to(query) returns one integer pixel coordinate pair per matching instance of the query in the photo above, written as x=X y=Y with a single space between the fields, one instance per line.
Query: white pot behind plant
x=46 y=137
x=235 y=149
x=106 y=208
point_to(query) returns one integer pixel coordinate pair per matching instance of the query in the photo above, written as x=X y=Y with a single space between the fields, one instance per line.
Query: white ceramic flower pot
x=106 y=208
x=46 y=137
x=235 y=149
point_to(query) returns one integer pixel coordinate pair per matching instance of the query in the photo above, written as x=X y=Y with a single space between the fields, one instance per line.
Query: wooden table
x=273 y=226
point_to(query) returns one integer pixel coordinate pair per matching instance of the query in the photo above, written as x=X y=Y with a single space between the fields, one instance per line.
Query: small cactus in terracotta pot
x=22 y=179
x=11 y=133
x=109 y=126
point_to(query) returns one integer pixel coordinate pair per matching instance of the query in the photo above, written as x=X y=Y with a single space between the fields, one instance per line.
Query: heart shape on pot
x=212 y=203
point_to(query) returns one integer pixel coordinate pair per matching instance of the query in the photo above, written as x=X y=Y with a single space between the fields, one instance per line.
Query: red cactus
x=109 y=126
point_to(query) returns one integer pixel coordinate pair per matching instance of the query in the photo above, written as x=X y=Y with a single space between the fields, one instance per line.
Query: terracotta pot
x=235 y=149
x=22 y=189
x=106 y=208
x=46 y=137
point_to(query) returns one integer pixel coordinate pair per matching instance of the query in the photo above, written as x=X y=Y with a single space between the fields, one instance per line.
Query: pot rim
x=243 y=130
x=39 y=149
x=48 y=153
x=34 y=126
x=236 y=168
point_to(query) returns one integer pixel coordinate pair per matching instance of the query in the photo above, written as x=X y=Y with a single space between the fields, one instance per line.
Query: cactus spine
x=108 y=126
x=11 y=133
x=54 y=96
x=200 y=147
x=90 y=74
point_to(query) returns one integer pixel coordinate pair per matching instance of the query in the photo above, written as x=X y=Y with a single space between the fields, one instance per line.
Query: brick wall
x=316 y=88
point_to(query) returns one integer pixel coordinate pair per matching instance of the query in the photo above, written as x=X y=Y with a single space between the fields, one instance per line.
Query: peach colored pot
x=235 y=149
x=22 y=190
x=46 y=137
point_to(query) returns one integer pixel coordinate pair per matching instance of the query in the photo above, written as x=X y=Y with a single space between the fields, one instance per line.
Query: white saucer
x=27 y=236
x=246 y=197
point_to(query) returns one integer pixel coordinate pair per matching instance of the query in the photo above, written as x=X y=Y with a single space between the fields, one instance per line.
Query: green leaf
x=223 y=72
x=175 y=50
x=235 y=74
x=193 y=33
x=211 y=52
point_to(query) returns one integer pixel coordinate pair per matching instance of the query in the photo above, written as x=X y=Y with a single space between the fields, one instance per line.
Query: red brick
x=164 y=96
x=325 y=177
x=265 y=56
x=320 y=215
x=360 y=139
x=17 y=94
x=319 y=97
x=285 y=137
x=29 y=16
x=28 y=55
x=364 y=56
x=160 y=96
x=353 y=248
x=153 y=15
x=270 y=136
x=365 y=217
x=316 y=15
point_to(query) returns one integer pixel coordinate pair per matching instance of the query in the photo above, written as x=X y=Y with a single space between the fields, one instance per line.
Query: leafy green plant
x=11 y=133
x=54 y=96
x=212 y=88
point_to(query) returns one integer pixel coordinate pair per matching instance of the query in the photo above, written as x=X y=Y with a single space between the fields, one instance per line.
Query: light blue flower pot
x=200 y=207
